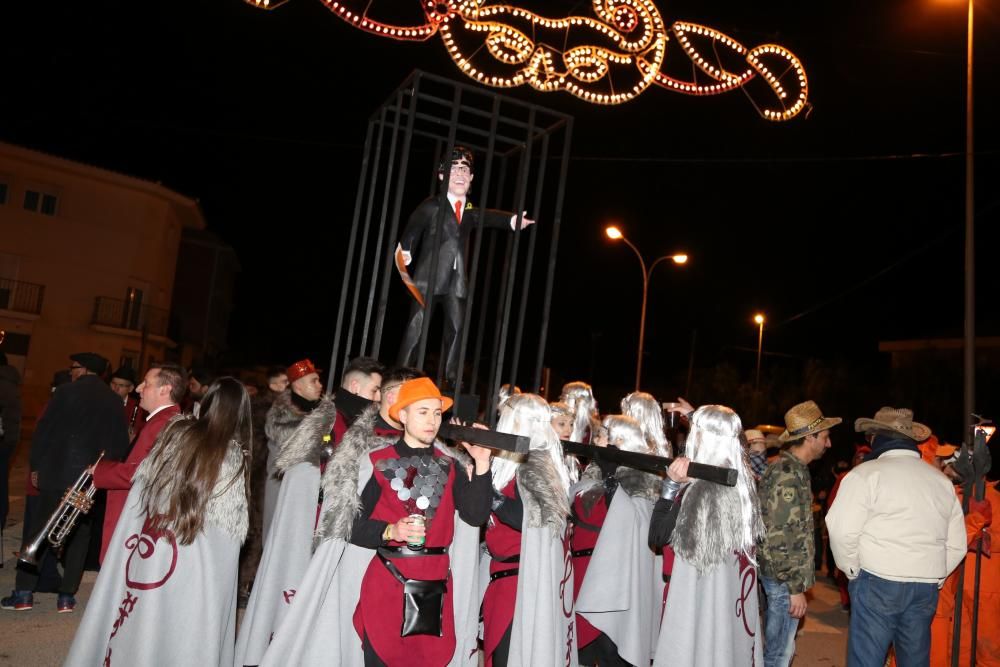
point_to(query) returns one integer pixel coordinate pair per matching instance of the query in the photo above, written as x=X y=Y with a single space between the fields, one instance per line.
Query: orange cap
x=945 y=450
x=300 y=369
x=415 y=390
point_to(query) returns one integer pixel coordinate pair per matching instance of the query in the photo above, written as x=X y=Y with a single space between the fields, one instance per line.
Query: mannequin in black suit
x=450 y=287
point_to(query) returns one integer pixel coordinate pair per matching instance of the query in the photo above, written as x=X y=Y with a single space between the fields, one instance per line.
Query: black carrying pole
x=647 y=462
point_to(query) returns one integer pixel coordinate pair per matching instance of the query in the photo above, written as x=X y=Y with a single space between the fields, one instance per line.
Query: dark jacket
x=10 y=407
x=422 y=226
x=81 y=419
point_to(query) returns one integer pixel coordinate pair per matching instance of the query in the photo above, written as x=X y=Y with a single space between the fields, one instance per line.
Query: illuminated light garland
x=610 y=58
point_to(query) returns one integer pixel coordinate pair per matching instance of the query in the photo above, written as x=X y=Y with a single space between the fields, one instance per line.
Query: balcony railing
x=123 y=314
x=21 y=297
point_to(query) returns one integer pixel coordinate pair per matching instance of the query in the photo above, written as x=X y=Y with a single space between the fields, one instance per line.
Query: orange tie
x=458 y=210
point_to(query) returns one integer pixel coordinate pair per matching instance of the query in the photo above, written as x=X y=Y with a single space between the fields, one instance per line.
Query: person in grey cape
x=349 y=609
x=711 y=615
x=290 y=544
x=166 y=593
x=527 y=607
x=305 y=394
x=620 y=592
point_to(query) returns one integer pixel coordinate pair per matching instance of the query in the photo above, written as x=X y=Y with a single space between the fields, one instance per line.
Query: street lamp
x=615 y=234
x=759 y=320
x=969 y=356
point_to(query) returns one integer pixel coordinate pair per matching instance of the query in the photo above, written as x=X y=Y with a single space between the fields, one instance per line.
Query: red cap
x=300 y=369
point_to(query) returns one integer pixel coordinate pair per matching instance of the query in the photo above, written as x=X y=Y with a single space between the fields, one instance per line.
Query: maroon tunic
x=379 y=614
x=116 y=476
x=586 y=529
x=498 y=604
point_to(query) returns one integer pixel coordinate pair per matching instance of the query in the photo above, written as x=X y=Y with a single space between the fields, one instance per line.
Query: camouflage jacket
x=787 y=550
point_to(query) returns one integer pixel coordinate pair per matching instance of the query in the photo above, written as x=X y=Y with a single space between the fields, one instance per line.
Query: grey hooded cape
x=288 y=542
x=622 y=593
x=711 y=616
x=318 y=629
x=158 y=602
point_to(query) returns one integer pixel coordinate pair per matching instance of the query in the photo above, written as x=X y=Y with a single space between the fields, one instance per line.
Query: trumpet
x=77 y=500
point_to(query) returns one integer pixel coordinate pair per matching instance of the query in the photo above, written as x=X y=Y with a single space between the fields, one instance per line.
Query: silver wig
x=715 y=440
x=529 y=414
x=646 y=410
x=505 y=393
x=580 y=398
x=625 y=433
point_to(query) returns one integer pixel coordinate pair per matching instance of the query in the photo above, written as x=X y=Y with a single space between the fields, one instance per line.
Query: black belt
x=504 y=573
x=583 y=553
x=516 y=558
x=407 y=552
x=666 y=578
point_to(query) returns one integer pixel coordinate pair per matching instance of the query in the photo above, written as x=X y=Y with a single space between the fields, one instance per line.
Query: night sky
x=845 y=227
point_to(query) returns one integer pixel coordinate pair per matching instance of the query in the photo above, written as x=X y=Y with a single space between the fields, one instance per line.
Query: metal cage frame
x=520 y=148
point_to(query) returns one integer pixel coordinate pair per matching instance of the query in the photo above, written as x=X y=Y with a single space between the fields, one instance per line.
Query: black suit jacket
x=80 y=420
x=421 y=229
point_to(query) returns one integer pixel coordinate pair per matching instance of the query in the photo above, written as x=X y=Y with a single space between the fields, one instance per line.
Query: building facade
x=88 y=259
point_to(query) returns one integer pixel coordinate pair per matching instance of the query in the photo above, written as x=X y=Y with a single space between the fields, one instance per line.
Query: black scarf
x=303 y=404
x=884 y=443
x=350 y=405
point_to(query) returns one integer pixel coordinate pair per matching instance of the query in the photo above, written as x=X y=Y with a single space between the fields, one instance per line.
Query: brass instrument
x=77 y=500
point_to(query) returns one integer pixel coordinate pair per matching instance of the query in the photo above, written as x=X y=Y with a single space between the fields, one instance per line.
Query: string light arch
x=609 y=58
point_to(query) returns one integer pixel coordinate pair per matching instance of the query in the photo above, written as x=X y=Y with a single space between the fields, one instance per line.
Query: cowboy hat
x=805 y=419
x=897 y=420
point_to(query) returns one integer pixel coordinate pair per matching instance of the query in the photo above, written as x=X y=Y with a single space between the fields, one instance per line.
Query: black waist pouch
x=423 y=603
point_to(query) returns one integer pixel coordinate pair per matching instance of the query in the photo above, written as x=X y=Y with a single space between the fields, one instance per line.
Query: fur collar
x=283 y=418
x=340 y=479
x=708 y=529
x=305 y=442
x=638 y=483
x=590 y=488
x=545 y=504
x=227 y=507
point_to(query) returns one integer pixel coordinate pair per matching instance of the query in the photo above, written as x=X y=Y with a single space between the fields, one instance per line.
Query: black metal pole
x=361 y=275
x=377 y=250
x=553 y=247
x=396 y=206
x=474 y=264
x=520 y=194
x=347 y=263
x=488 y=282
x=530 y=262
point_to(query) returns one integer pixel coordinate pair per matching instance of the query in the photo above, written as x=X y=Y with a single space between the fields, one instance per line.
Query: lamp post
x=759 y=320
x=615 y=234
x=969 y=352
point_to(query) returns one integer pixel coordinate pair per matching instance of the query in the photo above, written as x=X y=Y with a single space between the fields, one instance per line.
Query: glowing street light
x=679 y=259
x=759 y=320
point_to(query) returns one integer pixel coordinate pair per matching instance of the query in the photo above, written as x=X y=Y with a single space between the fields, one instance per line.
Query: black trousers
x=74 y=548
x=454 y=308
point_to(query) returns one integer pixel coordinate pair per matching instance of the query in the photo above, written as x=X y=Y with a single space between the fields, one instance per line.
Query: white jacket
x=898 y=518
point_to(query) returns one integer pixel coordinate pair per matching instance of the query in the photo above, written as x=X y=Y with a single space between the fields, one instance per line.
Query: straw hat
x=805 y=419
x=753 y=434
x=415 y=390
x=897 y=420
